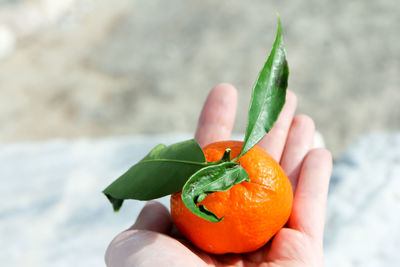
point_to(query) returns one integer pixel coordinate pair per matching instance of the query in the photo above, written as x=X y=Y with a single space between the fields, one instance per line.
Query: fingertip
x=318 y=161
x=225 y=89
x=153 y=217
x=303 y=121
x=223 y=95
x=218 y=115
x=318 y=155
x=115 y=244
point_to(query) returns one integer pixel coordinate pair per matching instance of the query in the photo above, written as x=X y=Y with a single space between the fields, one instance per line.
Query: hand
x=154 y=241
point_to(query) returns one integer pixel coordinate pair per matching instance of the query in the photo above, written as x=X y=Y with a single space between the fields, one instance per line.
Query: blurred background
x=102 y=68
x=88 y=83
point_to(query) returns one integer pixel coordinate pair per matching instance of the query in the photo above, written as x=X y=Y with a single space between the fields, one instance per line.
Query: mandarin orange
x=253 y=211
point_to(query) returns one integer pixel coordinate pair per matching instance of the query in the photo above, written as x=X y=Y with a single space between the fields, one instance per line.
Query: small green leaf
x=211 y=179
x=269 y=94
x=162 y=172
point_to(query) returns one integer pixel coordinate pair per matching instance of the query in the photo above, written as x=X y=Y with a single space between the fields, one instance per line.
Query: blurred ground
x=99 y=68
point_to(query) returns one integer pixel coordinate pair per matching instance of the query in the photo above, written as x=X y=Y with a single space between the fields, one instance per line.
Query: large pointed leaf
x=211 y=179
x=269 y=94
x=162 y=172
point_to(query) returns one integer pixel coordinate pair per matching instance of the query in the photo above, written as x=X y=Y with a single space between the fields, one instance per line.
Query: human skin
x=154 y=240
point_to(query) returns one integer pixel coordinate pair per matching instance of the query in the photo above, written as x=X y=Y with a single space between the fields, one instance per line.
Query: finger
x=309 y=205
x=274 y=141
x=299 y=141
x=153 y=217
x=218 y=115
x=147 y=248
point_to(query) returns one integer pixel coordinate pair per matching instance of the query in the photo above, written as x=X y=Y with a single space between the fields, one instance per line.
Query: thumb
x=153 y=217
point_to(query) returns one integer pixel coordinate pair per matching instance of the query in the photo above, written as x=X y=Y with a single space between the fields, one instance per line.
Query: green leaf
x=211 y=179
x=269 y=94
x=162 y=172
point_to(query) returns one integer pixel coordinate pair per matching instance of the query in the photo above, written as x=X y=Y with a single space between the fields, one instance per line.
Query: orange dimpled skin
x=253 y=211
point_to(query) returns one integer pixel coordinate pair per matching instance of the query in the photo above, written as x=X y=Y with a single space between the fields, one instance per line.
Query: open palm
x=154 y=241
